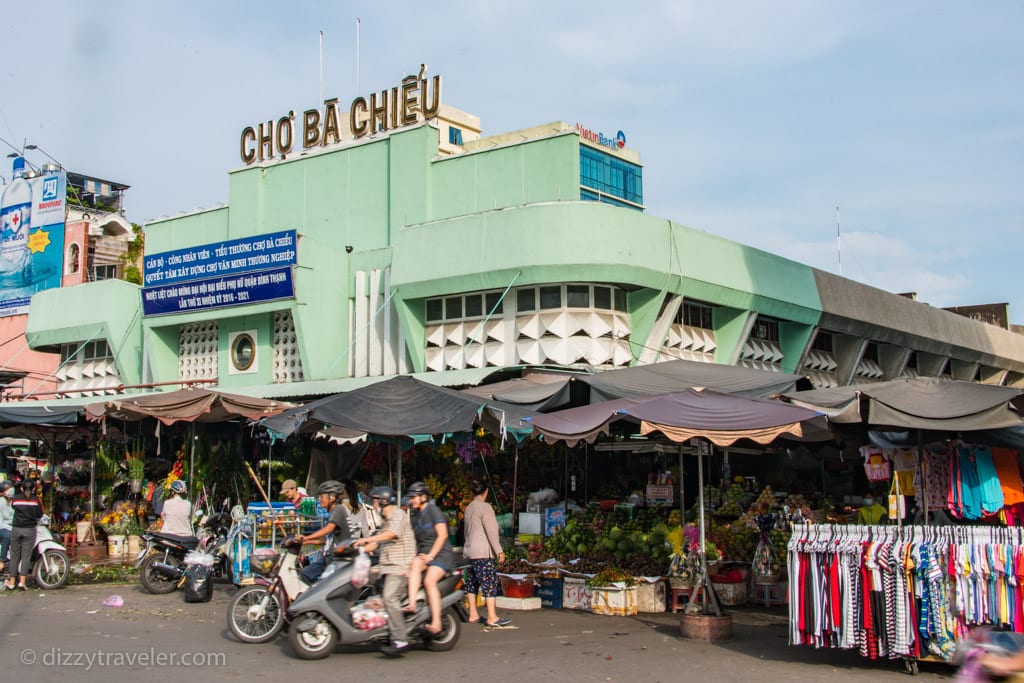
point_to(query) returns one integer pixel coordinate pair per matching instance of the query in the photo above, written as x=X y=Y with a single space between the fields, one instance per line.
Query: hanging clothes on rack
x=907 y=592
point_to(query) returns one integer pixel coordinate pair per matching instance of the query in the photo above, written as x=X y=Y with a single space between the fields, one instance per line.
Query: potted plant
x=136 y=471
x=116 y=524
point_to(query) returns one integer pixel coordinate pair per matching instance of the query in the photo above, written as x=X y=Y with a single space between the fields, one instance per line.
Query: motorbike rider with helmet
x=336 y=531
x=395 y=558
x=435 y=556
x=177 y=511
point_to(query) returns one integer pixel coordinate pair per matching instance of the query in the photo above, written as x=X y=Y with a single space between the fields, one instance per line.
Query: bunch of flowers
x=176 y=473
x=115 y=523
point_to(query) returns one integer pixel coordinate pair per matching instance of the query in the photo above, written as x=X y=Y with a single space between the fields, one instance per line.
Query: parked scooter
x=321 y=617
x=50 y=565
x=258 y=612
x=161 y=563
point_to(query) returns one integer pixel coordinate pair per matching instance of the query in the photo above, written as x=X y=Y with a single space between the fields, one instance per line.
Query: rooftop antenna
x=839 y=244
x=357 y=56
x=321 y=66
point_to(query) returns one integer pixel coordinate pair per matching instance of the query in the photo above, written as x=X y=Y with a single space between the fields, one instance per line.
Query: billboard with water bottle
x=32 y=214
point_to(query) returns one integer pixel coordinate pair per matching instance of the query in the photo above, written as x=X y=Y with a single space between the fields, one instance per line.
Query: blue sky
x=754 y=120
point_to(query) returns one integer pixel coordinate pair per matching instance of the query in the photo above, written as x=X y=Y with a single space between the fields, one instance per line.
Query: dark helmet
x=330 y=488
x=178 y=486
x=6 y=484
x=418 y=488
x=386 y=494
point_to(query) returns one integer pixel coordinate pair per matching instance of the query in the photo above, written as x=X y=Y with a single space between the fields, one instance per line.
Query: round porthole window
x=243 y=352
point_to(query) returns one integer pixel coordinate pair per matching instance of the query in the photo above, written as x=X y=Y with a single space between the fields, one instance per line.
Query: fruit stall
x=628 y=560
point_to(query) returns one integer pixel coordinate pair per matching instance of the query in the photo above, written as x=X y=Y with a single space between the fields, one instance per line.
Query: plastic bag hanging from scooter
x=361 y=569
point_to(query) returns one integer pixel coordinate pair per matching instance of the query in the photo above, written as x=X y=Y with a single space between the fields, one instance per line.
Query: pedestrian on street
x=27 y=512
x=6 y=521
x=483 y=550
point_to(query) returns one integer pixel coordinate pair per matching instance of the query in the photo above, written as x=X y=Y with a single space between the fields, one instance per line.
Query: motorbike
x=322 y=617
x=257 y=613
x=161 y=562
x=50 y=565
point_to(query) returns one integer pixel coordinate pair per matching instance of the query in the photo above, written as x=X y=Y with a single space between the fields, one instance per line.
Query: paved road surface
x=69 y=635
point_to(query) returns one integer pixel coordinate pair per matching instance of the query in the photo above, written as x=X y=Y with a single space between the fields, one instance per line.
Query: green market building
x=393 y=238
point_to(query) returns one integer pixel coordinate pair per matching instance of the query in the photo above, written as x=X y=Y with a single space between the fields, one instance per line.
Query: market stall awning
x=535 y=390
x=186 y=405
x=400 y=406
x=39 y=415
x=918 y=403
x=722 y=419
x=678 y=375
x=584 y=423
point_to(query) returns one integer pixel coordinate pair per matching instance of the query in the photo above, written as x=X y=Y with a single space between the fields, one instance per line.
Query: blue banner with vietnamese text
x=217 y=259
x=231 y=290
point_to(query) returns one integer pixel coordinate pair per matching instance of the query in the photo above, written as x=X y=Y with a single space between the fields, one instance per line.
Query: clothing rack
x=902 y=592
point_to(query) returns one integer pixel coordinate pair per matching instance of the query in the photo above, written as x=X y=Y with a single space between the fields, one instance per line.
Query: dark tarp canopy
x=536 y=391
x=920 y=403
x=186 y=405
x=401 y=406
x=677 y=375
x=40 y=415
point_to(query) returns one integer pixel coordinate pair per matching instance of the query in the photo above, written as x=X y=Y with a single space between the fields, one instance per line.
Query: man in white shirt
x=177 y=512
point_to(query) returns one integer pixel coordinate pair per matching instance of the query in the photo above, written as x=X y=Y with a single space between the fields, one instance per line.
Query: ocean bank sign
x=241 y=271
x=615 y=144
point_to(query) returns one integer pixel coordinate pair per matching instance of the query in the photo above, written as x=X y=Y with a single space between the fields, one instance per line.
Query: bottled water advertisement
x=32 y=212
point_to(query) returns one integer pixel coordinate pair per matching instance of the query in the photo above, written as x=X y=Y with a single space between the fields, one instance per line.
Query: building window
x=435 y=310
x=95 y=350
x=605 y=177
x=765 y=329
x=577 y=296
x=526 y=300
x=494 y=302
x=823 y=342
x=695 y=315
x=74 y=258
x=107 y=272
x=463 y=307
x=455 y=136
x=912 y=361
x=243 y=352
x=871 y=352
x=453 y=308
x=551 y=297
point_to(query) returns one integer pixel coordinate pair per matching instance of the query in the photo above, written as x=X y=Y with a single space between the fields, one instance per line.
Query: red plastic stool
x=680 y=598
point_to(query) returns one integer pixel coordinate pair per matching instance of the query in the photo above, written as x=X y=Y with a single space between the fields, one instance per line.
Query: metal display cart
x=264 y=526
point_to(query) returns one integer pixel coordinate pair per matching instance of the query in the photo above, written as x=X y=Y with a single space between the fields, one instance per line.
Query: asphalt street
x=70 y=635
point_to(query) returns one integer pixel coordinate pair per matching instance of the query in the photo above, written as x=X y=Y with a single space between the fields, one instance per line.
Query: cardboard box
x=554 y=519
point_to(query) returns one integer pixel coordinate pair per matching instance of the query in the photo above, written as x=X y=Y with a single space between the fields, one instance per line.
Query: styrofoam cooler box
x=650 y=596
x=550 y=592
x=576 y=594
x=616 y=602
x=529 y=522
